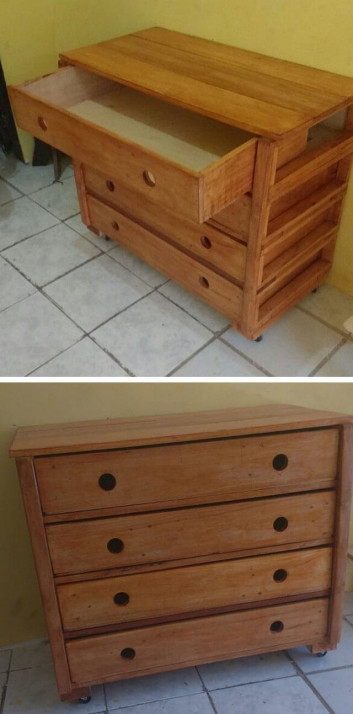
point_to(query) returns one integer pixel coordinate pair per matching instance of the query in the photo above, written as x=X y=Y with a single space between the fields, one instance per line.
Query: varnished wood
x=227 y=522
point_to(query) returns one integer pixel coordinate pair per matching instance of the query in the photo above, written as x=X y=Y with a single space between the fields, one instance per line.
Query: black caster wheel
x=84 y=700
x=321 y=654
x=315 y=291
x=259 y=338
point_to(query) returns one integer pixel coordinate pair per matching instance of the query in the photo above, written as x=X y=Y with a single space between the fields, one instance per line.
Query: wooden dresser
x=171 y=541
x=222 y=168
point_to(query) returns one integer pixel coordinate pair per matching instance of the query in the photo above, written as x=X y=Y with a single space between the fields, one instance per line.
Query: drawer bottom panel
x=145 y=650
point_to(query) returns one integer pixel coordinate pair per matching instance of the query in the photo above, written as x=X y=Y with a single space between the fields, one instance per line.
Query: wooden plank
x=311 y=163
x=120 y=433
x=227 y=179
x=265 y=170
x=235 y=218
x=343 y=507
x=301 y=191
x=198 y=277
x=185 y=533
x=174 y=475
x=168 y=593
x=44 y=573
x=196 y=641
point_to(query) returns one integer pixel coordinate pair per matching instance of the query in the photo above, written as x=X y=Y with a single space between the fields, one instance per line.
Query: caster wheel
x=259 y=338
x=315 y=291
x=321 y=654
x=84 y=700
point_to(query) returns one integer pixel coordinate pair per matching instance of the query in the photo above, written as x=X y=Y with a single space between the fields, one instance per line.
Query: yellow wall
x=317 y=33
x=24 y=404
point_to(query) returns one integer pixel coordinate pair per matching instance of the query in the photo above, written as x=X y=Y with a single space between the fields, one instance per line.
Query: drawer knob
x=121 y=598
x=277 y=626
x=127 y=653
x=280 y=524
x=107 y=482
x=42 y=123
x=115 y=545
x=206 y=242
x=149 y=178
x=110 y=185
x=204 y=282
x=280 y=462
x=280 y=575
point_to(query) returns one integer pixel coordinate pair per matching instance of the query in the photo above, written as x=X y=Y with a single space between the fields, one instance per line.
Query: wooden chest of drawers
x=165 y=542
x=224 y=169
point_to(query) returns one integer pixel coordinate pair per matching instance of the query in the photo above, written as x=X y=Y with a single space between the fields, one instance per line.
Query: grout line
x=327 y=358
x=305 y=679
x=342 y=332
x=4 y=690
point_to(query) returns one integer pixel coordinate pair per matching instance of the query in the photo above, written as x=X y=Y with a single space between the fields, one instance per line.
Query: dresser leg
x=81 y=695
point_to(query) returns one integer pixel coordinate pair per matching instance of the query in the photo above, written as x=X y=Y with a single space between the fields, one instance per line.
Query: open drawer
x=186 y=162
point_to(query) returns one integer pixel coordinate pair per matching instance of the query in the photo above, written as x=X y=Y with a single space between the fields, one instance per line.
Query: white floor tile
x=282 y=696
x=60 y=198
x=350 y=619
x=336 y=688
x=96 y=291
x=246 y=669
x=137 y=266
x=22 y=218
x=192 y=704
x=101 y=241
x=32 y=654
x=27 y=178
x=293 y=346
x=330 y=305
x=31 y=332
x=152 y=337
x=84 y=359
x=340 y=364
x=4 y=660
x=218 y=360
x=50 y=254
x=34 y=691
x=13 y=287
x=152 y=688
x=348 y=604
x=335 y=658
x=195 y=307
x=7 y=193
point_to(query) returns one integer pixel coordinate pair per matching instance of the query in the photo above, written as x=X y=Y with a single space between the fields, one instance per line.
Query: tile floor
x=76 y=305
x=293 y=682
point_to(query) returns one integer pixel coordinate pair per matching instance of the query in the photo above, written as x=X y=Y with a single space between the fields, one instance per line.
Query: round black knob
x=280 y=575
x=107 y=482
x=280 y=462
x=121 y=598
x=127 y=653
x=280 y=524
x=115 y=545
x=277 y=626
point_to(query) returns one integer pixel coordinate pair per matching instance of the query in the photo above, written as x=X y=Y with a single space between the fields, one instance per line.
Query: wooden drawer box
x=173 y=475
x=224 y=532
x=226 y=169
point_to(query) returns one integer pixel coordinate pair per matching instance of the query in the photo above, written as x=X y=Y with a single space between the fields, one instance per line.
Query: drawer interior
x=178 y=134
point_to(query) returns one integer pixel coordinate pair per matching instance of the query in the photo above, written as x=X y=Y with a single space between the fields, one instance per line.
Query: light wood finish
x=198 y=529
x=167 y=593
x=195 y=641
x=169 y=476
x=237 y=160
x=204 y=242
x=185 y=533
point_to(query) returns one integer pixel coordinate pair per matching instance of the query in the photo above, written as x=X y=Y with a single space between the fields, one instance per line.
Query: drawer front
x=199 y=472
x=219 y=292
x=42 y=108
x=166 y=593
x=188 y=533
x=143 y=650
x=203 y=240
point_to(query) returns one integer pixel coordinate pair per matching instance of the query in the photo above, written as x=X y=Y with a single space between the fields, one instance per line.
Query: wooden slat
x=185 y=533
x=168 y=593
x=311 y=163
x=300 y=192
x=138 y=431
x=184 y=474
x=195 y=275
x=196 y=641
